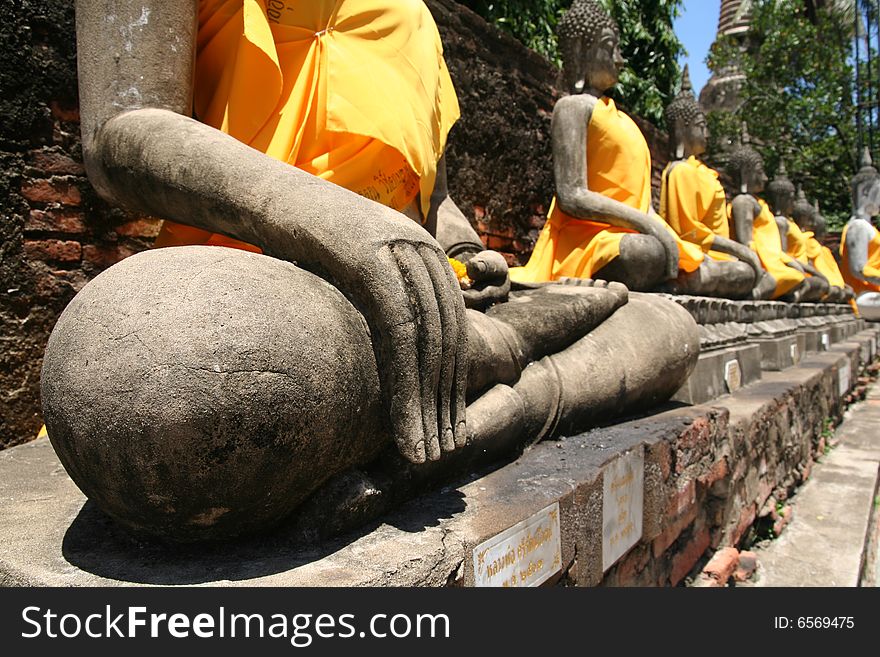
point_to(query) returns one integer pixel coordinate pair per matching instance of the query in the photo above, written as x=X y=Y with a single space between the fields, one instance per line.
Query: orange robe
x=872 y=266
x=618 y=166
x=353 y=91
x=822 y=259
x=692 y=202
x=767 y=243
x=797 y=242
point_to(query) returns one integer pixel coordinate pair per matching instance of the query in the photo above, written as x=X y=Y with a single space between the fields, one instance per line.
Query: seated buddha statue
x=754 y=225
x=601 y=223
x=781 y=195
x=202 y=391
x=860 y=242
x=804 y=245
x=693 y=203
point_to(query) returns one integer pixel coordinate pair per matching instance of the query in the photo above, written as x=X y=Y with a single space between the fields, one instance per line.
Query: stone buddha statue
x=755 y=225
x=693 y=203
x=601 y=223
x=860 y=242
x=809 y=224
x=202 y=391
x=781 y=195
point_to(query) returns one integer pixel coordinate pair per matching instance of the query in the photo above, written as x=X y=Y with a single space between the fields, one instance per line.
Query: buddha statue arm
x=858 y=237
x=571 y=118
x=743 y=211
x=142 y=151
x=812 y=271
x=738 y=251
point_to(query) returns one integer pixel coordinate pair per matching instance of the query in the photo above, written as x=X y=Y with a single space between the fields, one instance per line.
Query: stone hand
x=794 y=264
x=491 y=282
x=412 y=301
x=659 y=231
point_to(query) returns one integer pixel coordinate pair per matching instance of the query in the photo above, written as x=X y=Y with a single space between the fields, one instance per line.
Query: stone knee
x=640 y=265
x=736 y=279
x=203 y=392
x=869 y=306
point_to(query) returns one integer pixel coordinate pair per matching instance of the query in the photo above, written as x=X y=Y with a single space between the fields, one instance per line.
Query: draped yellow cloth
x=797 y=242
x=825 y=262
x=767 y=243
x=618 y=166
x=353 y=91
x=872 y=266
x=692 y=202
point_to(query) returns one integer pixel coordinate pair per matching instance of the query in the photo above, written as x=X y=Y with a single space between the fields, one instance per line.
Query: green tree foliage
x=647 y=41
x=797 y=98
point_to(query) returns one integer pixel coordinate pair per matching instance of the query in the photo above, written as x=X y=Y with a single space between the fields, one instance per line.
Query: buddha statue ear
x=679 y=142
x=574 y=65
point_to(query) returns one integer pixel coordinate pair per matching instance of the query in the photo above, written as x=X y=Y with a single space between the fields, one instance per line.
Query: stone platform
x=739 y=340
x=637 y=503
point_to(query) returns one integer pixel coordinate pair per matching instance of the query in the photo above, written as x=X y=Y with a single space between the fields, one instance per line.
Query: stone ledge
x=707 y=473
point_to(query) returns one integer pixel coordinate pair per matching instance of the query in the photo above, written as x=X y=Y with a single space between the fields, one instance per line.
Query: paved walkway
x=825 y=543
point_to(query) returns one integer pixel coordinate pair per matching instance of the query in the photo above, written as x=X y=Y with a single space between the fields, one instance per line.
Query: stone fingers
x=399 y=358
x=446 y=291
x=429 y=340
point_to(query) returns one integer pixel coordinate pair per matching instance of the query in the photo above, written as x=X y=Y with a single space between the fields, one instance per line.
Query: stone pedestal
x=720 y=372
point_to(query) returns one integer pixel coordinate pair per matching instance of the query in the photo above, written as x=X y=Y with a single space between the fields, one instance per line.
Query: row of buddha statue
x=203 y=392
x=771 y=253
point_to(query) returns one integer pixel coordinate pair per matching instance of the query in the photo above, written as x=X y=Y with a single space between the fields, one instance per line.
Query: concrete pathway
x=825 y=543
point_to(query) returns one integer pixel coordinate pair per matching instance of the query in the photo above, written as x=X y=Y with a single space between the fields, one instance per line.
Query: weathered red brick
x=692 y=444
x=146 y=227
x=511 y=259
x=537 y=221
x=782 y=520
x=808 y=469
x=661 y=454
x=715 y=473
x=722 y=564
x=53 y=250
x=52 y=190
x=765 y=489
x=521 y=246
x=479 y=213
x=55 y=163
x=56 y=220
x=64 y=112
x=103 y=257
x=497 y=243
x=746 y=567
x=684 y=561
x=746 y=520
x=630 y=565
x=681 y=511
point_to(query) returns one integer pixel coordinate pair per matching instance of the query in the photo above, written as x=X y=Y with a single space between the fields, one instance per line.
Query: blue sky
x=696 y=29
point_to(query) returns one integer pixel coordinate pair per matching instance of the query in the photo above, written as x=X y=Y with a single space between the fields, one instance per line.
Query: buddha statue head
x=686 y=122
x=590 y=45
x=866 y=188
x=781 y=192
x=802 y=211
x=746 y=168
